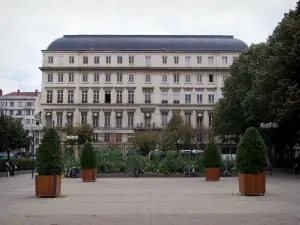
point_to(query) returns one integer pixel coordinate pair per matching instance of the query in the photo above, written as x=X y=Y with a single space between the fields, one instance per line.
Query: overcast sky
x=28 y=26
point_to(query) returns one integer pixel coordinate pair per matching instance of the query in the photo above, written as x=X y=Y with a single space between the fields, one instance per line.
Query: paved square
x=143 y=201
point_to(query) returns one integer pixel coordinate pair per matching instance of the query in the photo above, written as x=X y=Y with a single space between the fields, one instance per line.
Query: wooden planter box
x=47 y=186
x=89 y=175
x=252 y=184
x=212 y=174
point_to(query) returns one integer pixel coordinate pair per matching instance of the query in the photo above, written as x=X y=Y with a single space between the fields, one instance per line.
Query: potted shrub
x=212 y=162
x=88 y=163
x=49 y=165
x=251 y=162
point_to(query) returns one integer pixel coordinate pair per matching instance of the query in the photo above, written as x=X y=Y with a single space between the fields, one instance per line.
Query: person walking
x=8 y=168
x=13 y=167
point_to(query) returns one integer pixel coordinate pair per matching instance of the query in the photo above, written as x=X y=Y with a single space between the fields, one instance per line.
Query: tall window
x=96 y=77
x=71 y=59
x=130 y=96
x=131 y=59
x=96 y=96
x=199 y=59
x=119 y=120
x=106 y=137
x=50 y=59
x=176 y=78
x=176 y=59
x=50 y=77
x=118 y=137
x=188 y=118
x=210 y=60
x=188 y=78
x=96 y=59
x=84 y=78
x=120 y=59
x=95 y=137
x=70 y=118
x=176 y=97
x=131 y=77
x=119 y=77
x=108 y=59
x=147 y=121
x=49 y=96
x=224 y=60
x=71 y=77
x=107 y=96
x=164 y=97
x=199 y=120
x=107 y=77
x=148 y=78
x=211 y=78
x=164 y=77
x=164 y=59
x=148 y=60
x=84 y=96
x=199 y=78
x=83 y=117
x=225 y=77
x=85 y=60
x=70 y=96
x=199 y=97
x=147 y=96
x=96 y=120
x=119 y=96
x=49 y=122
x=211 y=98
x=188 y=60
x=60 y=77
x=59 y=116
x=164 y=119
x=188 y=97
x=130 y=119
x=210 y=120
x=60 y=96
x=107 y=119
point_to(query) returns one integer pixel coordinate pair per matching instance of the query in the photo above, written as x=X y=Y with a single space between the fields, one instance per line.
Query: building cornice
x=141 y=51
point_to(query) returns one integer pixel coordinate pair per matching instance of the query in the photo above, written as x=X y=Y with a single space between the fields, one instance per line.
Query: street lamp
x=34 y=130
x=73 y=140
x=269 y=126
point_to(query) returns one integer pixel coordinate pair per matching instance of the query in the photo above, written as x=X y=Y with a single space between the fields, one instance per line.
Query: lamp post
x=73 y=140
x=269 y=126
x=34 y=130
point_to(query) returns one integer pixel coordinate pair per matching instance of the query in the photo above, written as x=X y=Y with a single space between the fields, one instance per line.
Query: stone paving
x=143 y=201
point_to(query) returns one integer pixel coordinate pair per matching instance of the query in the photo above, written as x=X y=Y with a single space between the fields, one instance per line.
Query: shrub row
x=22 y=164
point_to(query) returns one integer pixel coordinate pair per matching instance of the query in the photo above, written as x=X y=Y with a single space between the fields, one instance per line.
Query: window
x=60 y=96
x=107 y=78
x=188 y=78
x=176 y=59
x=84 y=78
x=176 y=78
x=130 y=119
x=164 y=97
x=164 y=77
x=188 y=60
x=131 y=59
x=224 y=60
x=148 y=121
x=120 y=59
x=188 y=97
x=49 y=119
x=108 y=59
x=188 y=118
x=95 y=120
x=95 y=137
x=164 y=59
x=199 y=59
x=19 y=112
x=84 y=96
x=70 y=118
x=107 y=119
x=211 y=98
x=148 y=60
x=83 y=117
x=96 y=96
x=49 y=96
x=85 y=60
x=70 y=96
x=59 y=116
x=118 y=121
x=29 y=103
x=131 y=77
x=119 y=96
x=50 y=77
x=118 y=137
x=176 y=97
x=148 y=78
x=119 y=78
x=210 y=78
x=27 y=112
x=164 y=119
x=107 y=97
x=199 y=78
x=199 y=137
x=106 y=137
x=225 y=77
x=71 y=77
x=71 y=59
x=210 y=120
x=11 y=103
x=130 y=96
x=50 y=59
x=199 y=120
x=96 y=77
x=28 y=121
x=96 y=59
x=210 y=60
x=19 y=103
x=147 y=96
x=199 y=97
x=60 y=77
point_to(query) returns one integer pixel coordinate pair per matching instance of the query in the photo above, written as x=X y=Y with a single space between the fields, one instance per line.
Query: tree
x=251 y=156
x=88 y=158
x=211 y=156
x=84 y=132
x=49 y=156
x=145 y=141
x=113 y=142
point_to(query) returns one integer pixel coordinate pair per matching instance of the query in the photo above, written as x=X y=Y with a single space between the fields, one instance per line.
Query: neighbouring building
x=122 y=84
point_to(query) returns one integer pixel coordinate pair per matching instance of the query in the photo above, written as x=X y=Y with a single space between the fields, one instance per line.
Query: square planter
x=89 y=175
x=47 y=186
x=212 y=174
x=252 y=184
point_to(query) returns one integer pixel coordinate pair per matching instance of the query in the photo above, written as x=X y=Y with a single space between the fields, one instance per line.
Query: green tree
x=49 y=156
x=88 y=158
x=84 y=132
x=145 y=141
x=251 y=156
x=211 y=156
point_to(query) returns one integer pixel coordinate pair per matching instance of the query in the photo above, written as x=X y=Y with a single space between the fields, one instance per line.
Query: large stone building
x=124 y=83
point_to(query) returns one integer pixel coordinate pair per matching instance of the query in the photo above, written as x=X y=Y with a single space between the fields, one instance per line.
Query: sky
x=27 y=27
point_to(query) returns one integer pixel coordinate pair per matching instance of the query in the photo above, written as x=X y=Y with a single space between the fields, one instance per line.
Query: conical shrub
x=49 y=156
x=88 y=157
x=252 y=154
x=211 y=156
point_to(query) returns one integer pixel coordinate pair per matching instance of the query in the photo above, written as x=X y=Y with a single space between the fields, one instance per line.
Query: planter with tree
x=88 y=163
x=212 y=162
x=49 y=165
x=251 y=162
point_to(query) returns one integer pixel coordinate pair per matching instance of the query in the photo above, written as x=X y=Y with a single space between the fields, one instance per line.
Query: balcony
x=176 y=102
x=164 y=101
x=145 y=126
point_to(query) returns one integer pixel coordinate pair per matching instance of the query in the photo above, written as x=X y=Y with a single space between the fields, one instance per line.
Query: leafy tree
x=113 y=142
x=251 y=156
x=145 y=141
x=211 y=156
x=84 y=132
x=88 y=158
x=49 y=156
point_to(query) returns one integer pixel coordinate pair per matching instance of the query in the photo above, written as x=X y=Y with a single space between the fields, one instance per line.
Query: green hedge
x=22 y=164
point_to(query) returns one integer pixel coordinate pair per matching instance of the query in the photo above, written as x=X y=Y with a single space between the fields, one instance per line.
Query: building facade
x=121 y=84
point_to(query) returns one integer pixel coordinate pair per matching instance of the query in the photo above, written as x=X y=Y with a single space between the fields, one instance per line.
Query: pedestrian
x=13 y=167
x=8 y=168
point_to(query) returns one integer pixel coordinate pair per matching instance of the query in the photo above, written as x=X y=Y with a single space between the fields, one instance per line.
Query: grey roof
x=147 y=43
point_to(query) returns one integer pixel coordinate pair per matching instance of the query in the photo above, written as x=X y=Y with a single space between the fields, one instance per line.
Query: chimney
x=18 y=92
x=36 y=92
x=1 y=92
